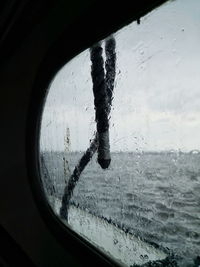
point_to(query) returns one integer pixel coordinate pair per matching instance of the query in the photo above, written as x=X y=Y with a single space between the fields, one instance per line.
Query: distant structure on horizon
x=194 y=152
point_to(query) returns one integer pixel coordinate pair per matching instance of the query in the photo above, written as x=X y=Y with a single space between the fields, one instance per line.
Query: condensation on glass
x=146 y=205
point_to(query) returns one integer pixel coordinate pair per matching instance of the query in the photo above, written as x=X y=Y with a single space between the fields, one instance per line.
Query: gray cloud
x=157 y=94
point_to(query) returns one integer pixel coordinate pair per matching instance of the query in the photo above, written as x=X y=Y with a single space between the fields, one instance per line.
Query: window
x=145 y=206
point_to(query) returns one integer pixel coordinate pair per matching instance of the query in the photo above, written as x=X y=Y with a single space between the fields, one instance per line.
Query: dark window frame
x=106 y=19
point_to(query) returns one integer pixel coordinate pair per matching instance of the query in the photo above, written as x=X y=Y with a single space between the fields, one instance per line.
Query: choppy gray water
x=156 y=195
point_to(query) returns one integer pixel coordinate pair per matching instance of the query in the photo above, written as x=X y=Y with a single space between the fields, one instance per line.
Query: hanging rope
x=103 y=94
x=110 y=68
x=101 y=105
x=69 y=189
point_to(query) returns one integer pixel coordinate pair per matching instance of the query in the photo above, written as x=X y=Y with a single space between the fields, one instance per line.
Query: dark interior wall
x=67 y=27
x=18 y=212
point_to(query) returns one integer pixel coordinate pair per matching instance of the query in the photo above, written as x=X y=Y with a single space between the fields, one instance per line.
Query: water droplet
x=115 y=241
x=144 y=257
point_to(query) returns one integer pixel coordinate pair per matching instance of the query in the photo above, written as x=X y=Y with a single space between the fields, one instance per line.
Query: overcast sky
x=156 y=102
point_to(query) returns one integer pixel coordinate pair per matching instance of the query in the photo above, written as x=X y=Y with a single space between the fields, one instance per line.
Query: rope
x=68 y=192
x=101 y=105
x=110 y=68
x=103 y=95
x=103 y=91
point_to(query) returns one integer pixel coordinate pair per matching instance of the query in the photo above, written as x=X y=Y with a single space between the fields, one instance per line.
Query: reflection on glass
x=150 y=192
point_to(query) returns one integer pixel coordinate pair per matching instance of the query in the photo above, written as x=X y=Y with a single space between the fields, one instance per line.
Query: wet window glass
x=120 y=140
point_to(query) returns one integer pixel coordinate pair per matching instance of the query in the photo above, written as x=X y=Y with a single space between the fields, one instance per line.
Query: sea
x=153 y=194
